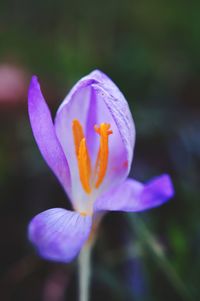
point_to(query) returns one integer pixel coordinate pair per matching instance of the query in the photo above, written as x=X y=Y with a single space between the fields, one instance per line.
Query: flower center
x=88 y=179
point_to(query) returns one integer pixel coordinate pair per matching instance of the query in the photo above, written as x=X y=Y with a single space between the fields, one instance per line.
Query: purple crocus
x=89 y=147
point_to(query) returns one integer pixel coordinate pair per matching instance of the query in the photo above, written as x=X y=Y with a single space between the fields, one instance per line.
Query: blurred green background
x=151 y=50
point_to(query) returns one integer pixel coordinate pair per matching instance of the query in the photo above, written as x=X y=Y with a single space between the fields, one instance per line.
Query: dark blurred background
x=151 y=49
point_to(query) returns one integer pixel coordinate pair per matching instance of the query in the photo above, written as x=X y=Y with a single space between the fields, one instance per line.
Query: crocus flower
x=89 y=147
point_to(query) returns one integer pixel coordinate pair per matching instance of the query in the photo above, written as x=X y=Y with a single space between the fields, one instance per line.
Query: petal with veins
x=59 y=234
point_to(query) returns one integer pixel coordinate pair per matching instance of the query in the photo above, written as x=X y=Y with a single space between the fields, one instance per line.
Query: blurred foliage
x=151 y=50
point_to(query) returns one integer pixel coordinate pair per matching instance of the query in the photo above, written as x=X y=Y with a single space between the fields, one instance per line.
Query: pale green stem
x=84 y=272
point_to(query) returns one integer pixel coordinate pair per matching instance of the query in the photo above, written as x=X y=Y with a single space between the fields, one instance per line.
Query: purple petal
x=93 y=100
x=134 y=196
x=59 y=234
x=44 y=133
x=109 y=94
x=118 y=108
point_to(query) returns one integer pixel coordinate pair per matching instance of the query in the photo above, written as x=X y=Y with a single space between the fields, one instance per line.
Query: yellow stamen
x=102 y=158
x=83 y=158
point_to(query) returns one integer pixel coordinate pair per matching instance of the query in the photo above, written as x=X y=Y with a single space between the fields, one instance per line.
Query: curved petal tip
x=33 y=83
x=160 y=187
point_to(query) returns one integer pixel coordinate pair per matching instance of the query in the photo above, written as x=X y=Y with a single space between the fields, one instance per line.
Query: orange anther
x=84 y=166
x=77 y=133
x=82 y=155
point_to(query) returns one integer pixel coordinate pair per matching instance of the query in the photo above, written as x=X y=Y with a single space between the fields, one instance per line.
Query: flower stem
x=84 y=272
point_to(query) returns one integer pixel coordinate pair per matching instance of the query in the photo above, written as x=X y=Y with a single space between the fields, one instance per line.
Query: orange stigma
x=102 y=158
x=83 y=158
